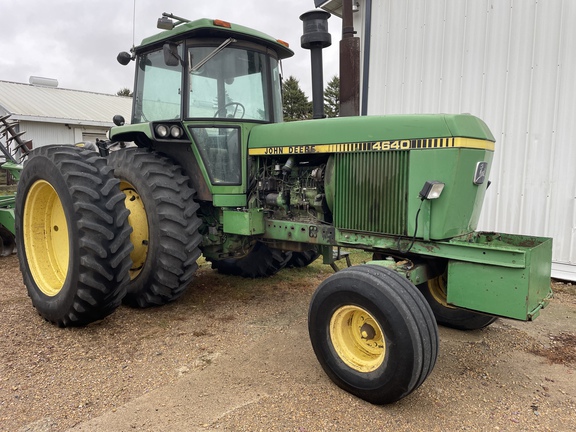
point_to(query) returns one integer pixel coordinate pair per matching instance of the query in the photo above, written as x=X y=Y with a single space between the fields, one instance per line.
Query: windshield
x=157 y=95
x=233 y=84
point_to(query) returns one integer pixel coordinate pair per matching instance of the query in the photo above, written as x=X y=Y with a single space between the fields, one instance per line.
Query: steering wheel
x=233 y=115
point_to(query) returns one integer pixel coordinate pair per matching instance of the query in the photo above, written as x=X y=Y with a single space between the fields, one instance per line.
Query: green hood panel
x=368 y=129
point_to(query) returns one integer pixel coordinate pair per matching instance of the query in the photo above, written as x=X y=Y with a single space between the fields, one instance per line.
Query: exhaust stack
x=349 y=64
x=316 y=38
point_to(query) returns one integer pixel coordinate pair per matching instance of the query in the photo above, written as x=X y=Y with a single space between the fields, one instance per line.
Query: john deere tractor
x=207 y=167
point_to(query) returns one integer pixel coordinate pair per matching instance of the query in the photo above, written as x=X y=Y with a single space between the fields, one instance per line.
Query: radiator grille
x=371 y=191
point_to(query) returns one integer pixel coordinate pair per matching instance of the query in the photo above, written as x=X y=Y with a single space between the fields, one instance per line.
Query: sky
x=76 y=41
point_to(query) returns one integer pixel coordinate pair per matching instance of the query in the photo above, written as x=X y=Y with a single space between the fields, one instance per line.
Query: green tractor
x=207 y=167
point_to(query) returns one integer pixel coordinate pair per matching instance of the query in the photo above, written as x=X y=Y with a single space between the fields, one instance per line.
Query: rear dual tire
x=74 y=232
x=163 y=216
x=72 y=235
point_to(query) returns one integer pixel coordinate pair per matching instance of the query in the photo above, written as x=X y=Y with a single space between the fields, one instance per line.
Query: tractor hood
x=394 y=132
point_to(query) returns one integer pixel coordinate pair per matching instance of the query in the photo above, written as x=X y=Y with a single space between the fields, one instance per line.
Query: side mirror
x=171 y=56
x=124 y=58
x=118 y=120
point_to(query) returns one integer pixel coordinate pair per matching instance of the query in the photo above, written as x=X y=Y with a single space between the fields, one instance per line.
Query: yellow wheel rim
x=139 y=223
x=46 y=241
x=357 y=338
x=438 y=290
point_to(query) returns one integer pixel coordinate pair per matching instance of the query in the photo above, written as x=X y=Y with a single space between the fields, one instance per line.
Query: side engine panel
x=360 y=191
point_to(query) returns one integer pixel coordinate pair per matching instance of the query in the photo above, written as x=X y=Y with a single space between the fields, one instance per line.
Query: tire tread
x=386 y=289
x=178 y=223
x=101 y=273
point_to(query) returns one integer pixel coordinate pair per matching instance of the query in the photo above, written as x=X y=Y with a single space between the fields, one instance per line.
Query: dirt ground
x=234 y=355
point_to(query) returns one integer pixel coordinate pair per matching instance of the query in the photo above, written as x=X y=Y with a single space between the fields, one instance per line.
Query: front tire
x=373 y=333
x=72 y=235
x=165 y=226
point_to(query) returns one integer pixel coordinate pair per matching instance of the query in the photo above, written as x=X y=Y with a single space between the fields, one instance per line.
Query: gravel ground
x=234 y=355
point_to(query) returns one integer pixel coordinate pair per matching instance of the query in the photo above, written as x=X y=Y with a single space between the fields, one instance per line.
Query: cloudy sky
x=76 y=41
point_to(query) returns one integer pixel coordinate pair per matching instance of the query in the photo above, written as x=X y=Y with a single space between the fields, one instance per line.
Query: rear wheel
x=165 y=226
x=261 y=261
x=435 y=292
x=303 y=259
x=72 y=235
x=7 y=242
x=373 y=333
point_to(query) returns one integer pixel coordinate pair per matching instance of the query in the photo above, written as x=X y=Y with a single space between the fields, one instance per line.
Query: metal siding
x=508 y=62
x=43 y=134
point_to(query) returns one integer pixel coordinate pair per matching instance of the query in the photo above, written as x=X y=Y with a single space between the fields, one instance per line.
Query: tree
x=124 y=92
x=295 y=103
x=332 y=97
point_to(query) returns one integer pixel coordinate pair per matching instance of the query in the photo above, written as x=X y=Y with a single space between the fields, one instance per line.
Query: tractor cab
x=226 y=80
x=207 y=82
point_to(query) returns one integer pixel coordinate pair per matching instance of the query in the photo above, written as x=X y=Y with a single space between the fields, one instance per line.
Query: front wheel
x=373 y=333
x=72 y=235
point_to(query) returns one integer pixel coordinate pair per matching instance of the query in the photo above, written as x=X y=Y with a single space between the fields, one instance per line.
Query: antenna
x=134 y=25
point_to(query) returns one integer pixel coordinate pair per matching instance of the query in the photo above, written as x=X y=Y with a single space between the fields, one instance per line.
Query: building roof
x=57 y=105
x=332 y=6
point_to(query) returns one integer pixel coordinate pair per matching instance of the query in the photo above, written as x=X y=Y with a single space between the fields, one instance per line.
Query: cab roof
x=208 y=28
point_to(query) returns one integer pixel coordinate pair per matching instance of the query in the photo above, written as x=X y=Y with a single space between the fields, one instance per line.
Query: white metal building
x=52 y=115
x=509 y=62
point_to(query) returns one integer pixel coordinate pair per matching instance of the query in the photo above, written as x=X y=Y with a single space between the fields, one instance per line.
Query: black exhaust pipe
x=316 y=38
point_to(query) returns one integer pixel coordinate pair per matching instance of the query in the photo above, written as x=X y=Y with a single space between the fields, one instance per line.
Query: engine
x=292 y=188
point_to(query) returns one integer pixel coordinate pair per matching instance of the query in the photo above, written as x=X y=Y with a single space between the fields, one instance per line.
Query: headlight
x=431 y=190
x=162 y=131
x=176 y=131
